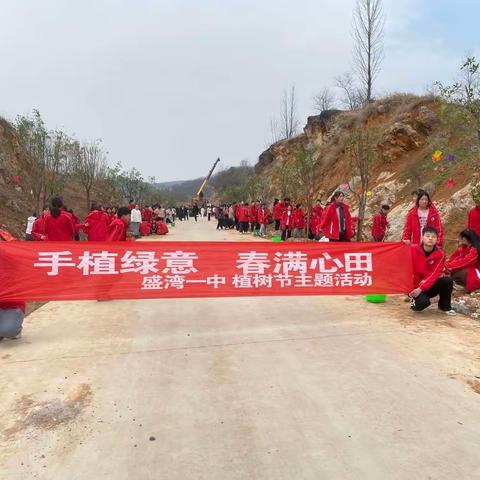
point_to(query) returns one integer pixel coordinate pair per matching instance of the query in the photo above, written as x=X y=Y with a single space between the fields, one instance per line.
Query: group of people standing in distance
x=57 y=223
x=434 y=272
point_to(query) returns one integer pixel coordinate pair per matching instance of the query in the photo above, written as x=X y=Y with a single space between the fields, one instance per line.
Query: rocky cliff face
x=406 y=131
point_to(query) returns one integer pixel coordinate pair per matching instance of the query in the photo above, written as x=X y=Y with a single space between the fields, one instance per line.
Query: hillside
x=407 y=130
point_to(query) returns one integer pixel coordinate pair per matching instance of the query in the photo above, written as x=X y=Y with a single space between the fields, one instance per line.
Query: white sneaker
x=451 y=313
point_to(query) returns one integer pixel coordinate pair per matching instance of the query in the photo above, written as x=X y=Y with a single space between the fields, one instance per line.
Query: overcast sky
x=170 y=85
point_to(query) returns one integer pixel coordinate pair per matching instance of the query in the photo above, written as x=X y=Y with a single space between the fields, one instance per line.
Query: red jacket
x=243 y=213
x=474 y=220
x=466 y=258
x=117 y=230
x=252 y=216
x=263 y=216
x=96 y=226
x=379 y=226
x=38 y=228
x=147 y=214
x=315 y=223
x=426 y=270
x=411 y=230
x=318 y=210
x=299 y=218
x=330 y=224
x=285 y=219
x=278 y=209
x=59 y=229
x=162 y=228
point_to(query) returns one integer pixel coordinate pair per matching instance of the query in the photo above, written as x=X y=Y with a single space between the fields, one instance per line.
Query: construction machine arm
x=207 y=178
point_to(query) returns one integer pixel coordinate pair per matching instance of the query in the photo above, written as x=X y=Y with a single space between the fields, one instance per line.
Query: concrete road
x=249 y=388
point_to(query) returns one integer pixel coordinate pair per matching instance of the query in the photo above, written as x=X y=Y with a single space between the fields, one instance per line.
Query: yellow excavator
x=199 y=196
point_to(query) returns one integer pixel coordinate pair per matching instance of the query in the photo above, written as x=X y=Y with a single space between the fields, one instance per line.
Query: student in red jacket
x=96 y=225
x=380 y=224
x=38 y=228
x=473 y=222
x=263 y=216
x=318 y=209
x=58 y=223
x=287 y=223
x=117 y=230
x=315 y=220
x=299 y=219
x=428 y=265
x=243 y=217
x=336 y=220
x=278 y=209
x=464 y=264
x=423 y=214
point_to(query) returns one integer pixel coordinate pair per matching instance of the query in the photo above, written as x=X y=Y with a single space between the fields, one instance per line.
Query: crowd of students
x=434 y=272
x=57 y=223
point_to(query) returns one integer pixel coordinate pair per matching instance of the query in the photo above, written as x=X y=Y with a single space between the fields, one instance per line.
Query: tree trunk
x=87 y=192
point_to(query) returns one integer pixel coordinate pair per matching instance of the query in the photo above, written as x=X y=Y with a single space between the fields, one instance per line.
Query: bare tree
x=303 y=170
x=275 y=134
x=90 y=165
x=288 y=115
x=368 y=25
x=362 y=152
x=351 y=95
x=325 y=100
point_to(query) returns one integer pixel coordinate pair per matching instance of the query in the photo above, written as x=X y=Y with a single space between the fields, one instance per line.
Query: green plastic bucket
x=376 y=298
x=276 y=239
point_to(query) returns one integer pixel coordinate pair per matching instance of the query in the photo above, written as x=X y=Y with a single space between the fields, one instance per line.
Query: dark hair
x=430 y=230
x=56 y=207
x=93 y=207
x=472 y=238
x=337 y=194
x=420 y=194
x=123 y=211
x=275 y=201
x=386 y=207
x=298 y=205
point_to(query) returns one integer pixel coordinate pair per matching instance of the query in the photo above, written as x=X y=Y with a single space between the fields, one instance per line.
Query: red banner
x=42 y=271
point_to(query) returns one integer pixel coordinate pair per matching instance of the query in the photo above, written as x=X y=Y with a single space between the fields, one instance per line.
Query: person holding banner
x=428 y=262
x=117 y=230
x=336 y=221
x=12 y=315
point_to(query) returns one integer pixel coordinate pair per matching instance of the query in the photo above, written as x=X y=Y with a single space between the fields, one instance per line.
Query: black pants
x=208 y=216
x=286 y=234
x=442 y=287
x=341 y=238
x=277 y=224
x=244 y=227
